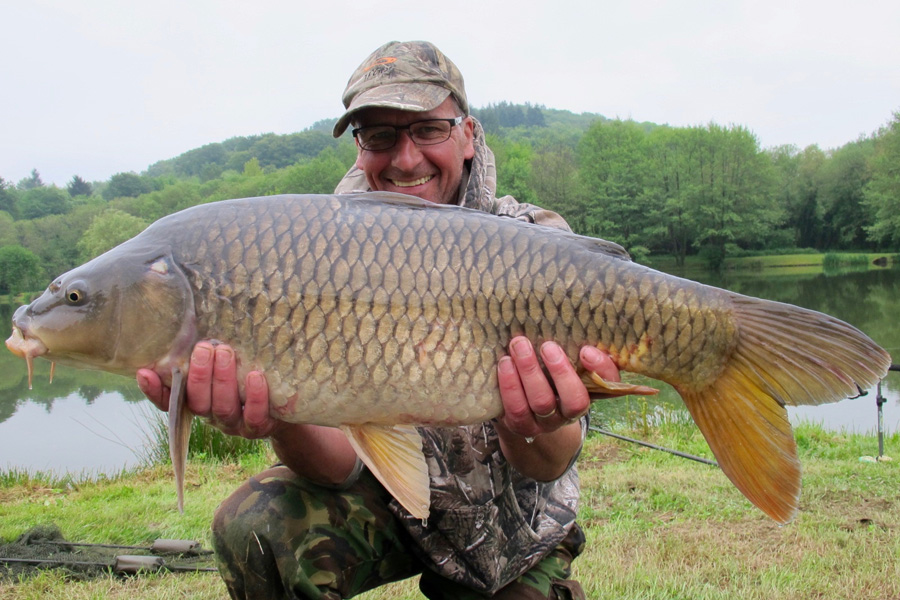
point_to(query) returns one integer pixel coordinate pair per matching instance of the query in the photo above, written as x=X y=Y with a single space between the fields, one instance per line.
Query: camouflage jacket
x=488 y=524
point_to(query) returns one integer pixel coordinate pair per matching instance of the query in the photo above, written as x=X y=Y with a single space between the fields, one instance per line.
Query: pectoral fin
x=394 y=455
x=596 y=385
x=179 y=432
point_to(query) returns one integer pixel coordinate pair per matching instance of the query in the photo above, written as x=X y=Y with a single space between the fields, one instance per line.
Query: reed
x=206 y=442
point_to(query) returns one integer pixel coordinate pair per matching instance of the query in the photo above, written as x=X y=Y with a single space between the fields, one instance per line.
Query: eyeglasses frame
x=398 y=128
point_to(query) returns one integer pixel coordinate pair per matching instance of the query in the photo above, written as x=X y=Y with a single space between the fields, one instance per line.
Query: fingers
x=539 y=394
x=600 y=363
x=225 y=401
x=530 y=402
x=517 y=414
x=151 y=386
x=574 y=400
x=256 y=420
x=212 y=392
x=198 y=388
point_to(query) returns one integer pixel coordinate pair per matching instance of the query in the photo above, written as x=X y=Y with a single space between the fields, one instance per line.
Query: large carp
x=379 y=312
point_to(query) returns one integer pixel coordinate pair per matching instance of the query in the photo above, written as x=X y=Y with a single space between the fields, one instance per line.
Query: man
x=504 y=493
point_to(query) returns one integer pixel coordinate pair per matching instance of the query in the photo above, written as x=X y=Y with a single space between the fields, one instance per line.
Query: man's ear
x=358 y=153
x=469 y=131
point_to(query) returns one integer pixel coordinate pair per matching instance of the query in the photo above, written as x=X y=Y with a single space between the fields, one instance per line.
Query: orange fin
x=784 y=355
x=751 y=438
x=394 y=455
x=596 y=385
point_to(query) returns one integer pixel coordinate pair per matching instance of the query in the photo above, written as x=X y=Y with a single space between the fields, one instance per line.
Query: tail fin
x=785 y=355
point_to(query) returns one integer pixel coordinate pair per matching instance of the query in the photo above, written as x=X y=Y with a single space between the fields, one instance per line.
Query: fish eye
x=75 y=295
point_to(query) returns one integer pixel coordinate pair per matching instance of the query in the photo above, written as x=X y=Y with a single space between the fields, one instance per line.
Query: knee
x=250 y=510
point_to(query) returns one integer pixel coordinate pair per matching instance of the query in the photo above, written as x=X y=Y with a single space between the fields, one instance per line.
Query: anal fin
x=394 y=455
x=597 y=386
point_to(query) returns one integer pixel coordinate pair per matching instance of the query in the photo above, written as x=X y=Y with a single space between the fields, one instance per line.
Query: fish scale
x=378 y=312
x=362 y=261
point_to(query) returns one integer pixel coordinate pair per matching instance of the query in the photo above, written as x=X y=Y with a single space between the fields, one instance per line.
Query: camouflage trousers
x=279 y=536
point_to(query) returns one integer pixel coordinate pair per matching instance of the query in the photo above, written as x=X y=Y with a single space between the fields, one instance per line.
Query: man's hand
x=531 y=406
x=534 y=411
x=212 y=393
x=321 y=454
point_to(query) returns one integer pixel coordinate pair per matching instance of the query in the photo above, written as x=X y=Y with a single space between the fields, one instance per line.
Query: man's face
x=433 y=172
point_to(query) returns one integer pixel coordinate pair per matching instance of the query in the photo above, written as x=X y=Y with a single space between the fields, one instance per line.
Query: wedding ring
x=548 y=415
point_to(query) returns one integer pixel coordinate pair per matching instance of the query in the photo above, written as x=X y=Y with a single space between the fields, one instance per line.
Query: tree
x=797 y=192
x=159 y=203
x=882 y=193
x=8 y=235
x=19 y=270
x=806 y=214
x=317 y=175
x=613 y=159
x=841 y=182
x=730 y=202
x=671 y=185
x=252 y=168
x=489 y=120
x=513 y=169
x=126 y=185
x=554 y=179
x=534 y=116
x=108 y=229
x=54 y=238
x=8 y=198
x=31 y=182
x=42 y=201
x=79 y=187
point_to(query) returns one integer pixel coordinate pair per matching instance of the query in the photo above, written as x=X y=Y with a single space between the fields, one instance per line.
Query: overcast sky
x=97 y=87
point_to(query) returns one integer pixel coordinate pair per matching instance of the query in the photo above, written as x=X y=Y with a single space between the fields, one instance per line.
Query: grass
x=801 y=261
x=658 y=526
x=205 y=442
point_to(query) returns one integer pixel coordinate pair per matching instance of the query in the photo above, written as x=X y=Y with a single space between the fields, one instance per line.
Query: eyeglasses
x=423 y=133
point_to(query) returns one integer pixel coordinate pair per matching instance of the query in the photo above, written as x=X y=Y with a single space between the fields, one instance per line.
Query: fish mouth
x=24 y=346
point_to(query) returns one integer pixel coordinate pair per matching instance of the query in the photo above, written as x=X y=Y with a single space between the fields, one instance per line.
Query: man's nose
x=405 y=151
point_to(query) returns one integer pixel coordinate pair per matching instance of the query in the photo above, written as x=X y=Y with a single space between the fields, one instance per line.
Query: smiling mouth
x=412 y=183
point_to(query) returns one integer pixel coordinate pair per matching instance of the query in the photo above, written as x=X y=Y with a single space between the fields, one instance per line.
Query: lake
x=87 y=422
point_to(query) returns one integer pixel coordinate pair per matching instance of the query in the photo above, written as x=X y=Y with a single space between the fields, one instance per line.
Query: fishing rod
x=700 y=459
x=160 y=546
x=880 y=400
x=125 y=564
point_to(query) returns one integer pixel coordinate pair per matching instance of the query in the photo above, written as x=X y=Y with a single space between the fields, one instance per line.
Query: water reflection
x=84 y=422
x=93 y=421
x=84 y=439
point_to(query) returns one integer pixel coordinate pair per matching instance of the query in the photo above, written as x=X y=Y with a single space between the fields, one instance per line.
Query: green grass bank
x=658 y=526
x=801 y=261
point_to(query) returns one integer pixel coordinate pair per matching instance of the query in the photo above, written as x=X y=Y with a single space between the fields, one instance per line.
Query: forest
x=707 y=190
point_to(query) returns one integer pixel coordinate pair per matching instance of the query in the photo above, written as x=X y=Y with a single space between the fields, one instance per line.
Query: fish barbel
x=379 y=312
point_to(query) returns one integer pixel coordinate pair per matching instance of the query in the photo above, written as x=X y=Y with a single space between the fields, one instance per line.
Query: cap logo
x=384 y=60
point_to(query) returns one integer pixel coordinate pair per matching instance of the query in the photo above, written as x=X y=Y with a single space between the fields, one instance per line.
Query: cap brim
x=413 y=97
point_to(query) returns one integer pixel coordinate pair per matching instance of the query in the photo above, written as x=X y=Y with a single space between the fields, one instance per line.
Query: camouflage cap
x=413 y=76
